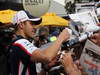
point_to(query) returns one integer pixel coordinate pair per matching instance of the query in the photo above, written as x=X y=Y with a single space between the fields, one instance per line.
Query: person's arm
x=68 y=65
x=49 y=53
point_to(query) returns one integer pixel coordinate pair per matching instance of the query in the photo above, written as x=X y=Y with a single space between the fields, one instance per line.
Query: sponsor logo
x=34 y=2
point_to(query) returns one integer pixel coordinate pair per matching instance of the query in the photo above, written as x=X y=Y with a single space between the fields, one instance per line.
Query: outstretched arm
x=49 y=53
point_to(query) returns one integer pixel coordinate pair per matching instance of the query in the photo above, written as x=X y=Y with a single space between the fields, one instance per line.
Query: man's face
x=29 y=30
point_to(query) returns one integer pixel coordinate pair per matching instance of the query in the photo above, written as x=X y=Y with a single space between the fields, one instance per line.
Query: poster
x=90 y=58
x=85 y=21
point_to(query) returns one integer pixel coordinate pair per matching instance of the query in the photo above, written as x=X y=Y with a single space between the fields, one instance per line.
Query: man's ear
x=21 y=25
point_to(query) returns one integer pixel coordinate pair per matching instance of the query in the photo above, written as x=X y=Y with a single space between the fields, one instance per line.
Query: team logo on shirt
x=26 y=45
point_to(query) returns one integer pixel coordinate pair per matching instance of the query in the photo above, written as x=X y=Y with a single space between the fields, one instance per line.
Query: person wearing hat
x=22 y=52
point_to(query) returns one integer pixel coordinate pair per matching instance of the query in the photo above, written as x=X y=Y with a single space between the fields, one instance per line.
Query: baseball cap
x=23 y=15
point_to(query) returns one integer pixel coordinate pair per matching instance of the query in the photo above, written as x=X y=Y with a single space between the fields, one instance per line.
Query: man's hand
x=67 y=60
x=64 y=35
x=68 y=64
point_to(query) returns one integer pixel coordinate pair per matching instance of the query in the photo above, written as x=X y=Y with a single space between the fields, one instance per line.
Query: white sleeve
x=26 y=45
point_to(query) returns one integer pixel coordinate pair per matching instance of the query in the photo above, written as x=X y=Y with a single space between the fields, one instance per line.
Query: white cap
x=22 y=16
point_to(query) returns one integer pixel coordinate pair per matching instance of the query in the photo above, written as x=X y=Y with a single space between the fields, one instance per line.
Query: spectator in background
x=43 y=35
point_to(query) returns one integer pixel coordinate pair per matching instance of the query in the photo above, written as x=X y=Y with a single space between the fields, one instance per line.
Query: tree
x=70 y=6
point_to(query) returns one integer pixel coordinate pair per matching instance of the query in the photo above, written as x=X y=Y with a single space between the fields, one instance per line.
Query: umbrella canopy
x=6 y=16
x=53 y=19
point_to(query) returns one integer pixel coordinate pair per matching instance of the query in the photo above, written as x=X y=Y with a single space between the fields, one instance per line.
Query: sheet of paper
x=85 y=20
x=90 y=58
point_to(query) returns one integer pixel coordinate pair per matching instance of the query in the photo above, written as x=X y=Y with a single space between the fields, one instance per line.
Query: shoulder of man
x=25 y=45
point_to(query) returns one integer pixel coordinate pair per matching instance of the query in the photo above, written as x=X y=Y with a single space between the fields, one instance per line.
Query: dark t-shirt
x=20 y=53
